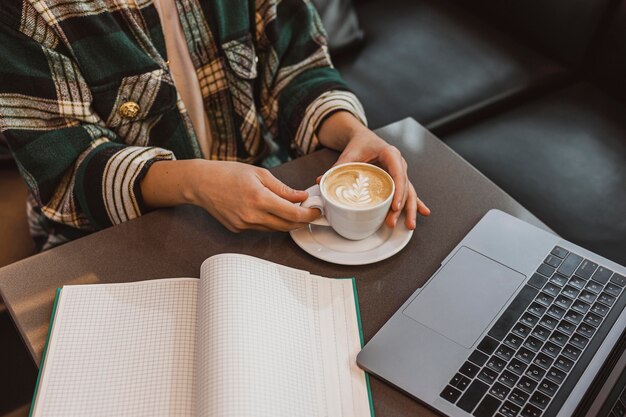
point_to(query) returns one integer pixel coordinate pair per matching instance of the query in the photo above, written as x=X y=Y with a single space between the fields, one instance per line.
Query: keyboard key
x=543 y=360
x=505 y=352
x=544 y=299
x=573 y=317
x=508 y=409
x=459 y=381
x=541 y=332
x=548 y=387
x=531 y=410
x=563 y=363
x=537 y=281
x=553 y=261
x=533 y=344
x=594 y=287
x=518 y=397
x=487 y=407
x=527 y=384
x=556 y=312
x=540 y=400
x=606 y=299
x=586 y=269
x=508 y=378
x=517 y=366
x=619 y=280
x=487 y=375
x=563 y=301
x=558 y=338
x=560 y=252
x=521 y=330
x=450 y=394
x=537 y=309
x=548 y=322
x=570 y=292
x=593 y=319
x=587 y=296
x=551 y=349
x=571 y=352
x=529 y=319
x=580 y=307
x=513 y=341
x=524 y=355
x=612 y=289
x=577 y=282
x=586 y=330
x=559 y=280
x=513 y=312
x=570 y=264
x=551 y=289
x=599 y=309
x=478 y=358
x=499 y=391
x=566 y=327
x=579 y=341
x=535 y=372
x=472 y=396
x=556 y=375
x=469 y=369
x=496 y=364
x=546 y=270
x=488 y=345
x=602 y=275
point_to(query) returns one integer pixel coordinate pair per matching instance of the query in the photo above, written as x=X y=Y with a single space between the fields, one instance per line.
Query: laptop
x=515 y=322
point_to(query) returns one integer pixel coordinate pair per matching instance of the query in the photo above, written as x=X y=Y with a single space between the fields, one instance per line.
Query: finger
x=277 y=206
x=392 y=160
x=281 y=189
x=421 y=207
x=410 y=208
x=270 y=222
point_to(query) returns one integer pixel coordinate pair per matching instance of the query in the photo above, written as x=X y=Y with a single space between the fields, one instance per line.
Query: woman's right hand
x=238 y=195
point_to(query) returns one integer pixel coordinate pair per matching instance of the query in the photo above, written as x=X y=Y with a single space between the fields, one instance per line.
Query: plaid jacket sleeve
x=78 y=170
x=300 y=85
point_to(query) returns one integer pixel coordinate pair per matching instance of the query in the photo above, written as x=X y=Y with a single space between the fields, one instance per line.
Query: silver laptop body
x=425 y=344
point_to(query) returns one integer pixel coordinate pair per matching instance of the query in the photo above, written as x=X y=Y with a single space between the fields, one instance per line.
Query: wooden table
x=174 y=242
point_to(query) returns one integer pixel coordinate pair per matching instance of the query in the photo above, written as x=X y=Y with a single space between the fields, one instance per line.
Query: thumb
x=283 y=190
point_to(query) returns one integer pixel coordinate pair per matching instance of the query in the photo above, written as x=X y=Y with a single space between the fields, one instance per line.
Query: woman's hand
x=342 y=131
x=240 y=196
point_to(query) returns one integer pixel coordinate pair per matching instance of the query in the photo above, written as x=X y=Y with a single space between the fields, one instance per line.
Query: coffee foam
x=357 y=186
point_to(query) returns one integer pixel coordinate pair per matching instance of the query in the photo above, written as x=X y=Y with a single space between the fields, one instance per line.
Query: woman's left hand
x=362 y=145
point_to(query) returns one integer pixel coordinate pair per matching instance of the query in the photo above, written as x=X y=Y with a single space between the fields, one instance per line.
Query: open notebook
x=249 y=338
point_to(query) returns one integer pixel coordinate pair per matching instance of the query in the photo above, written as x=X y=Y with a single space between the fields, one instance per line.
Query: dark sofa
x=531 y=92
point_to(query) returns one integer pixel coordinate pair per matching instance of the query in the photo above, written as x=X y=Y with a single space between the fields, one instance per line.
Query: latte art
x=357 y=186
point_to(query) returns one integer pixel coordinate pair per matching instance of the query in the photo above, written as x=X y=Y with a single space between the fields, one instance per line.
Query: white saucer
x=324 y=243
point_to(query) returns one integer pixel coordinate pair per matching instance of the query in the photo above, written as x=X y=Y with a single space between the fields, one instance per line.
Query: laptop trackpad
x=464 y=296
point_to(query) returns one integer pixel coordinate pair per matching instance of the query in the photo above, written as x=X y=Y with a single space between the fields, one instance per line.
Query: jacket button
x=129 y=110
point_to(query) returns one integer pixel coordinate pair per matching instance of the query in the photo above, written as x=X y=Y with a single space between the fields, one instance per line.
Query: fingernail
x=399 y=205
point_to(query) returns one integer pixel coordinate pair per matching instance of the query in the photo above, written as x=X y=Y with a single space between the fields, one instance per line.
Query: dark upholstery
x=562 y=29
x=428 y=59
x=564 y=158
x=609 y=64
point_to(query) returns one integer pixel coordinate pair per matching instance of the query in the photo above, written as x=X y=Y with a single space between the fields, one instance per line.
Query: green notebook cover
x=45 y=350
x=358 y=318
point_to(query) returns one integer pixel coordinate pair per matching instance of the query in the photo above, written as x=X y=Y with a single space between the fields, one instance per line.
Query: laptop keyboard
x=535 y=352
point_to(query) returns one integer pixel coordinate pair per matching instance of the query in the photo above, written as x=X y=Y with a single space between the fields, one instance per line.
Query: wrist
x=338 y=129
x=170 y=183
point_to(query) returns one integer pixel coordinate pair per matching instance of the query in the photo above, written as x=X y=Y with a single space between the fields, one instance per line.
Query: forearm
x=169 y=183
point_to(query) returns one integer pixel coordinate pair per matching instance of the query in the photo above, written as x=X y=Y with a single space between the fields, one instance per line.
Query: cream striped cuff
x=120 y=180
x=306 y=140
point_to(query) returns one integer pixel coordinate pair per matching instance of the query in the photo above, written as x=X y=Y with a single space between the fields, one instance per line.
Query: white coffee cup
x=354 y=210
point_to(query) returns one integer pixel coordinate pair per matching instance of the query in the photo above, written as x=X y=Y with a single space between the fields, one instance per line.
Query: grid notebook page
x=265 y=335
x=122 y=350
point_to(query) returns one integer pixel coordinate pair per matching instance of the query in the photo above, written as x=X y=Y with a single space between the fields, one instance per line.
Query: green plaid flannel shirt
x=69 y=65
